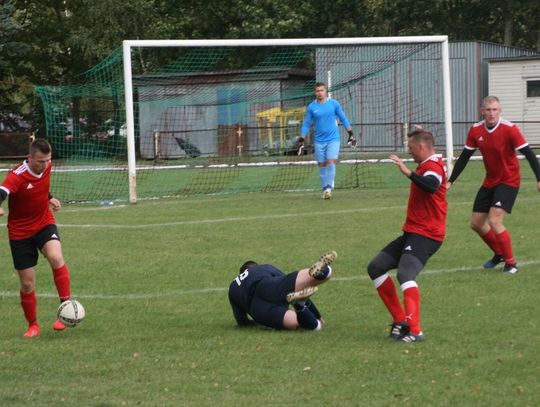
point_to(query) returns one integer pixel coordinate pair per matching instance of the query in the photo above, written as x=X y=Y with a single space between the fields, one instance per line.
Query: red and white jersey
x=28 y=203
x=426 y=212
x=498 y=147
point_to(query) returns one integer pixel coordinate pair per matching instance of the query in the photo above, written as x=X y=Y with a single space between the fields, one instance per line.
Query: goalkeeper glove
x=351 y=140
x=300 y=145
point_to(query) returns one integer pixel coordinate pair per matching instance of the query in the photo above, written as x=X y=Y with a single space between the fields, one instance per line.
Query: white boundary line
x=178 y=293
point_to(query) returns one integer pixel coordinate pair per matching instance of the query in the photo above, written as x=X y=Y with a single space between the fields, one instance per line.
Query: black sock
x=326 y=271
x=306 y=319
x=313 y=309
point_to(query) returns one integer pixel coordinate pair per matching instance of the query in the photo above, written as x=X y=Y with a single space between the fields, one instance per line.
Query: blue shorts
x=326 y=151
x=269 y=303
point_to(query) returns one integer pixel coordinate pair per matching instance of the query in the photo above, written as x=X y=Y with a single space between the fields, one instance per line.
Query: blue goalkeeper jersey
x=323 y=117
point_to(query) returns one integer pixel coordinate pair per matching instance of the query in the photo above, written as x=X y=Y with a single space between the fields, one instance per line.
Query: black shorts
x=419 y=246
x=25 y=252
x=269 y=303
x=502 y=196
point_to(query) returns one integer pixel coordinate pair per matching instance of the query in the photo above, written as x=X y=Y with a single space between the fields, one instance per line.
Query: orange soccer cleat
x=58 y=325
x=32 y=331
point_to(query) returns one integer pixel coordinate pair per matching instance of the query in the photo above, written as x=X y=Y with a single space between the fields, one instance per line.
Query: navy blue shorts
x=502 y=196
x=25 y=252
x=269 y=303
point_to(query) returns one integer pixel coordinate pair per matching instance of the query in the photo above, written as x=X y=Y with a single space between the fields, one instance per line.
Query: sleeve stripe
x=433 y=174
x=469 y=148
x=4 y=189
x=521 y=146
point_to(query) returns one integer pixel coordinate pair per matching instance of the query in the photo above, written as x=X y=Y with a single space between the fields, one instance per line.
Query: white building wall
x=508 y=81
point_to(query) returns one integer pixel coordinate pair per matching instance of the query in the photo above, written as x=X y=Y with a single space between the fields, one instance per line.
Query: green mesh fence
x=225 y=119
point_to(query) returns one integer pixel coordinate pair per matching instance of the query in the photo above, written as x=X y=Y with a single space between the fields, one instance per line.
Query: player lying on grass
x=264 y=293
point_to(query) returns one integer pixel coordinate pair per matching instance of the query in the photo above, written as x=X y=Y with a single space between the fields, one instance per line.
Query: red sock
x=61 y=280
x=505 y=241
x=491 y=240
x=29 y=306
x=387 y=292
x=411 y=299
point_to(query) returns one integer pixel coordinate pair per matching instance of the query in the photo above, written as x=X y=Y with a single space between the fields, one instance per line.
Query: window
x=533 y=89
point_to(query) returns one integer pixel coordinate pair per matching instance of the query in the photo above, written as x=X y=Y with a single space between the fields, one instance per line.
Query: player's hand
x=449 y=185
x=300 y=146
x=55 y=203
x=1 y=211
x=351 y=141
x=401 y=165
x=537 y=187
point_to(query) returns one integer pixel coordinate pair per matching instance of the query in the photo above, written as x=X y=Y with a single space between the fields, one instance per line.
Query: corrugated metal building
x=469 y=64
x=516 y=81
x=389 y=98
x=383 y=89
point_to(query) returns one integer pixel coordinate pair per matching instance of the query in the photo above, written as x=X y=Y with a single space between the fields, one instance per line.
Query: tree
x=10 y=104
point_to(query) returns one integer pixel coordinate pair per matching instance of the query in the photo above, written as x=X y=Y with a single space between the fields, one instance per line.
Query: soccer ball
x=70 y=313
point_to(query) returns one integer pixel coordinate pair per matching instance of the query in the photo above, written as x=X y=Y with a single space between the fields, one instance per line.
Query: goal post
x=128 y=79
x=174 y=118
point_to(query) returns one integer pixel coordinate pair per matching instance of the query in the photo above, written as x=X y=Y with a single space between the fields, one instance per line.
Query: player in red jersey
x=31 y=228
x=497 y=139
x=423 y=234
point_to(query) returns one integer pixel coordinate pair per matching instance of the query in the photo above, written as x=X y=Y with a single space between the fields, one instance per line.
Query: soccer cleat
x=327 y=193
x=398 y=329
x=295 y=296
x=317 y=269
x=32 y=331
x=492 y=263
x=510 y=269
x=58 y=325
x=409 y=337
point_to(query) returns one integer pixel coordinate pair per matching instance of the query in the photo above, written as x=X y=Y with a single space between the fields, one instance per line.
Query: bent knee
x=290 y=320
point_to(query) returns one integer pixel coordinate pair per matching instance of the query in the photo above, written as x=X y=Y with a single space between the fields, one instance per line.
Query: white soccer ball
x=71 y=312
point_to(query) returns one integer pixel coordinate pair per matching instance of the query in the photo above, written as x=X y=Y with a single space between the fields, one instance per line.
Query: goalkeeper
x=264 y=293
x=322 y=113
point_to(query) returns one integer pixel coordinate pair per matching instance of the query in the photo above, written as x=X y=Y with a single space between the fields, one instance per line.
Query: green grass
x=159 y=330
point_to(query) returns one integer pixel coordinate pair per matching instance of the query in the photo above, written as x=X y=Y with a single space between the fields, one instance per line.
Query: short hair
x=247 y=265
x=489 y=99
x=41 y=145
x=319 y=84
x=422 y=135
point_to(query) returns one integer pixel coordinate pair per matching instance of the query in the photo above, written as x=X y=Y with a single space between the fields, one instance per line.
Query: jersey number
x=241 y=277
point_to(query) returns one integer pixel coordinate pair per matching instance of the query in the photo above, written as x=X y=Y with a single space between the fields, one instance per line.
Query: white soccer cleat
x=295 y=296
x=317 y=269
x=327 y=193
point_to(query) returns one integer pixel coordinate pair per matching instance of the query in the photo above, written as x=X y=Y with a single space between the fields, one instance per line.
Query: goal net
x=175 y=118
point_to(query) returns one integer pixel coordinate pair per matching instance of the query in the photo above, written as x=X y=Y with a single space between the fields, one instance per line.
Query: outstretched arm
x=240 y=316
x=533 y=162
x=428 y=182
x=460 y=164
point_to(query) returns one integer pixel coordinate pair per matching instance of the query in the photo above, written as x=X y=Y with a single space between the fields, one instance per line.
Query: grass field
x=159 y=330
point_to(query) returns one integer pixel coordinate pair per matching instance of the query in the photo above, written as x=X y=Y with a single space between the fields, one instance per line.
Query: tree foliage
x=54 y=41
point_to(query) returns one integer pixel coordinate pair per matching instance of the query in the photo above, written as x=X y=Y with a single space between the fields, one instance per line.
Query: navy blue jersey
x=242 y=288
